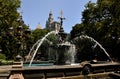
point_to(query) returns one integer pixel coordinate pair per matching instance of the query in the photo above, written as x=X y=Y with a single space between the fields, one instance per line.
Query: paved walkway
x=5 y=68
x=5 y=71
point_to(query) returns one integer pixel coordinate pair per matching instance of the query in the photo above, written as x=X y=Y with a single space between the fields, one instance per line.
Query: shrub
x=2 y=57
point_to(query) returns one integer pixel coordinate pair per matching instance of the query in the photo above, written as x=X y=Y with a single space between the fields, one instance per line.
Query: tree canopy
x=8 y=13
x=101 y=21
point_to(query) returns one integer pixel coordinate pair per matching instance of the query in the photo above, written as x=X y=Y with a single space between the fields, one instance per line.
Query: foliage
x=43 y=50
x=14 y=42
x=2 y=56
x=76 y=30
x=3 y=60
x=102 y=22
x=6 y=62
x=38 y=34
x=10 y=17
x=8 y=14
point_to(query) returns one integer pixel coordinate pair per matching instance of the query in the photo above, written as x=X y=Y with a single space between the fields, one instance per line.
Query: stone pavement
x=5 y=71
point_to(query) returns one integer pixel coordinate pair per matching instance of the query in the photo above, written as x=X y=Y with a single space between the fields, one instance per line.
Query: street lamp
x=27 y=32
x=27 y=39
x=11 y=32
x=19 y=37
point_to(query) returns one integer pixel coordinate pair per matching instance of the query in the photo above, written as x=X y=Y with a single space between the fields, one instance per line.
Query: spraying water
x=72 y=53
x=97 y=43
x=31 y=50
x=39 y=44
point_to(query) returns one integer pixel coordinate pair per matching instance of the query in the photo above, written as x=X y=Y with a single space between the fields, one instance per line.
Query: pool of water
x=39 y=64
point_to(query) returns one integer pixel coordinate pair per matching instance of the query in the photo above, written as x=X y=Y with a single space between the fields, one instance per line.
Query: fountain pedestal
x=16 y=76
x=18 y=64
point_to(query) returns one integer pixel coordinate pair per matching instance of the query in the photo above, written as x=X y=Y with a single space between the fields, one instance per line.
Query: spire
x=50 y=18
x=61 y=13
x=50 y=14
x=61 y=17
x=61 y=21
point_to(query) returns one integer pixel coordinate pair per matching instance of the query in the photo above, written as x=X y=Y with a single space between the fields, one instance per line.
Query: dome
x=39 y=26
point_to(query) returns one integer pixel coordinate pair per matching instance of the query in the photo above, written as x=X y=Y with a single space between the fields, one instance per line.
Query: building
x=51 y=24
x=39 y=26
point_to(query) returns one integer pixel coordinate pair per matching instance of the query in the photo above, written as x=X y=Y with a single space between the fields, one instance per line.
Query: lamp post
x=11 y=32
x=27 y=39
x=13 y=36
x=21 y=37
x=19 y=34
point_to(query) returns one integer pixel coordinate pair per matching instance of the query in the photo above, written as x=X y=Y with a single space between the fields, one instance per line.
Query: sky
x=37 y=11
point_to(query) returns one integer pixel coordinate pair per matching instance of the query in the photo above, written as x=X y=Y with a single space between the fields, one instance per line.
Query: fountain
x=96 y=43
x=62 y=54
x=39 y=44
x=31 y=50
x=61 y=46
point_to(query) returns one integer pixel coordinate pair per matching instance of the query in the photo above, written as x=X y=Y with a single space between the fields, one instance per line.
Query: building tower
x=49 y=21
x=51 y=24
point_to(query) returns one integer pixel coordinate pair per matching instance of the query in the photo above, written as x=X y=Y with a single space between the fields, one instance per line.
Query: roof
x=39 y=26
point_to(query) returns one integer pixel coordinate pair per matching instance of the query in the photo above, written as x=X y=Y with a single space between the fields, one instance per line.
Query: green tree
x=8 y=18
x=76 y=30
x=43 y=49
x=38 y=34
x=102 y=22
x=8 y=14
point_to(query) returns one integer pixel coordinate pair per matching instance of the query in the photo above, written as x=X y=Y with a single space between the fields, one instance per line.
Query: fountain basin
x=38 y=63
x=54 y=71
